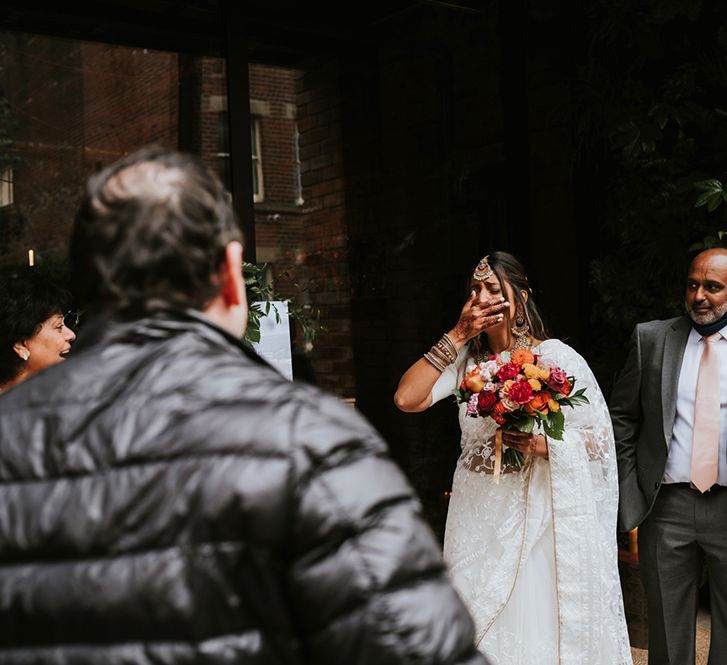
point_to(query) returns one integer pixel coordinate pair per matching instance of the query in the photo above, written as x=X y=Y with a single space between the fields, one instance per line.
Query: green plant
x=712 y=196
x=261 y=292
x=650 y=128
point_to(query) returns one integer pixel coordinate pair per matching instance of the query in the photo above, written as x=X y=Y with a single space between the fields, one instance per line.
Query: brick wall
x=48 y=133
x=272 y=102
x=78 y=107
x=325 y=253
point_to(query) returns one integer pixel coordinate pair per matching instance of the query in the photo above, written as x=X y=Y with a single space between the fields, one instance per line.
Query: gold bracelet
x=434 y=362
x=442 y=354
x=443 y=357
x=448 y=340
x=446 y=348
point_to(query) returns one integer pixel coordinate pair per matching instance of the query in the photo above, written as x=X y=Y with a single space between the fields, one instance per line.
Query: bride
x=531 y=550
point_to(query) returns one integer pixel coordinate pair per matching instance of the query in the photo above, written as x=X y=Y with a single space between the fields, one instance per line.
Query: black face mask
x=710 y=328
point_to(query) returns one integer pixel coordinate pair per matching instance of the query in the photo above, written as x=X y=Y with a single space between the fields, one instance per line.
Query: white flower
x=489 y=370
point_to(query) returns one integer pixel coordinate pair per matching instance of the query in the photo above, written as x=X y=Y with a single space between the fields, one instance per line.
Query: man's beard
x=704 y=319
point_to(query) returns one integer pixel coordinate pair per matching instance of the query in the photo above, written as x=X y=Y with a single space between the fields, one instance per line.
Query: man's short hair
x=151 y=232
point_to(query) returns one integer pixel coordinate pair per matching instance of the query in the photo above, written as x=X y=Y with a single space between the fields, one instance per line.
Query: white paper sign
x=274 y=344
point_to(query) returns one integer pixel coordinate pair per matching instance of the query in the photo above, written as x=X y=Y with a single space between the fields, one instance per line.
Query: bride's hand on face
x=478 y=314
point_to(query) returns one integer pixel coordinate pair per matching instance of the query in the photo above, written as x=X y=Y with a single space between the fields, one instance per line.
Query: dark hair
x=151 y=232
x=27 y=299
x=509 y=270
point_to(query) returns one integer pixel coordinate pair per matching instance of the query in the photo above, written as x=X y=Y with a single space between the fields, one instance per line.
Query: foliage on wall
x=261 y=292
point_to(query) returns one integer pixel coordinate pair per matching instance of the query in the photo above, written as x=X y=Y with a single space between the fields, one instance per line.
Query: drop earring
x=521 y=329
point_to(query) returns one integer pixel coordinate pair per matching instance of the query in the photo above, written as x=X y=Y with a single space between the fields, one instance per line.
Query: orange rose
x=566 y=388
x=538 y=403
x=475 y=383
x=553 y=405
x=522 y=357
x=497 y=413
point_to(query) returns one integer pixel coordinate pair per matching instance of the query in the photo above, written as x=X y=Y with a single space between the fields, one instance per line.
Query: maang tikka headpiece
x=483 y=270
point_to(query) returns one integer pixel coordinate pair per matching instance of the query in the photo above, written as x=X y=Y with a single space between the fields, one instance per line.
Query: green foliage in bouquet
x=553 y=422
x=519 y=392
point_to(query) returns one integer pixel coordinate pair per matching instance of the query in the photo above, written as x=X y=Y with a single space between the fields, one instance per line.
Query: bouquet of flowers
x=518 y=390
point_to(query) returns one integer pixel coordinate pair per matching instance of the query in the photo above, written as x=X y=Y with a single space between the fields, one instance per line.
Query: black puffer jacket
x=166 y=497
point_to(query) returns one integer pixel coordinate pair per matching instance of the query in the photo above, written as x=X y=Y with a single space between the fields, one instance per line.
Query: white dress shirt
x=679 y=461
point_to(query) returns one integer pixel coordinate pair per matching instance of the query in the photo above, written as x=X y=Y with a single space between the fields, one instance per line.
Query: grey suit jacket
x=643 y=406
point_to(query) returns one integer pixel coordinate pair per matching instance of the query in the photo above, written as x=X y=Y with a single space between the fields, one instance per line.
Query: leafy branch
x=712 y=195
x=261 y=292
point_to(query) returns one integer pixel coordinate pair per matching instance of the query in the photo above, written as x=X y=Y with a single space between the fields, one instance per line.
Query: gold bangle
x=446 y=349
x=442 y=354
x=443 y=357
x=434 y=362
x=448 y=340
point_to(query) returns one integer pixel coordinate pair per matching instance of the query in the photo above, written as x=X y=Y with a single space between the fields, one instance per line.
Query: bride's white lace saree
x=534 y=556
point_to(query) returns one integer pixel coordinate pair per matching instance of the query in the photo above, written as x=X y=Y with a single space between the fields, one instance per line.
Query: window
x=223 y=149
x=298 y=183
x=6 y=186
x=223 y=154
x=257 y=165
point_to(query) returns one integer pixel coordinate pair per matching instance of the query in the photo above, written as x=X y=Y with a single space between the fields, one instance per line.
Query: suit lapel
x=671 y=364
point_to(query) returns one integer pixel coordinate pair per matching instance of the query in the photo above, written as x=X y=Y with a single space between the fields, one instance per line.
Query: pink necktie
x=705 y=438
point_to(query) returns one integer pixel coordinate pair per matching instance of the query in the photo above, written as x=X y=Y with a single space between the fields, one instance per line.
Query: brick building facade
x=387 y=170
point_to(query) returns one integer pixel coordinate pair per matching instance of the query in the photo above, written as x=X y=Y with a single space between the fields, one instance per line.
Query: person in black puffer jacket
x=167 y=497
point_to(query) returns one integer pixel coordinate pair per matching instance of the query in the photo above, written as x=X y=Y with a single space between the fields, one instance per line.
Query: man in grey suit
x=669 y=412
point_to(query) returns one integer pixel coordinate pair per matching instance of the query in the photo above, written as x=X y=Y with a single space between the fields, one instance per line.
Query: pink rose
x=472 y=406
x=557 y=379
x=520 y=392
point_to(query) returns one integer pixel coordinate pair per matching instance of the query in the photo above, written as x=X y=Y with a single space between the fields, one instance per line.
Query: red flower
x=520 y=392
x=486 y=402
x=507 y=371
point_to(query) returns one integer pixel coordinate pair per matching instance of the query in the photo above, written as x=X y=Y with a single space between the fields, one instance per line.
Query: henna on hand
x=477 y=316
x=530 y=444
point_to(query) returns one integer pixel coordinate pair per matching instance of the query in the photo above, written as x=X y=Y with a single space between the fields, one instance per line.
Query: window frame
x=258 y=193
x=7 y=181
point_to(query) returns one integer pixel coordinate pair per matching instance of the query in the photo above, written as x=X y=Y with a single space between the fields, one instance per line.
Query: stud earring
x=26 y=355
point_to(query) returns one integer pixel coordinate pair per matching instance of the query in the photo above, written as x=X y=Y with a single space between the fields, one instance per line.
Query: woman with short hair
x=33 y=330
